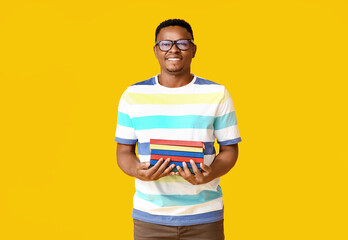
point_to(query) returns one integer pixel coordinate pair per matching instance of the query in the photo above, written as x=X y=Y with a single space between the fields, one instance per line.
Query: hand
x=157 y=171
x=197 y=178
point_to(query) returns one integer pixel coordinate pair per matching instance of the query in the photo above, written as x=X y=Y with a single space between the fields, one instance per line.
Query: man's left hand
x=198 y=177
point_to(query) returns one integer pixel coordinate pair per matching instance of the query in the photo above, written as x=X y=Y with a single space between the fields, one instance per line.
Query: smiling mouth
x=174 y=59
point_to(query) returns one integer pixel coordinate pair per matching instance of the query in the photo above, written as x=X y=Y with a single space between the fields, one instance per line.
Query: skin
x=175 y=74
x=130 y=164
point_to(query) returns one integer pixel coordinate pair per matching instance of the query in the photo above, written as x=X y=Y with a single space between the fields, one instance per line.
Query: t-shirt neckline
x=185 y=86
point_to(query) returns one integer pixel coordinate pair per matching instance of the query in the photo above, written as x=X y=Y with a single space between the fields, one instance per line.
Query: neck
x=174 y=80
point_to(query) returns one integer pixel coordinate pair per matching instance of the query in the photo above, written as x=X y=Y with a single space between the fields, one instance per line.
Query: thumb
x=144 y=165
x=205 y=168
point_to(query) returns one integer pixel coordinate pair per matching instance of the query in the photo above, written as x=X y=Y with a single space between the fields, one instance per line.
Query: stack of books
x=178 y=151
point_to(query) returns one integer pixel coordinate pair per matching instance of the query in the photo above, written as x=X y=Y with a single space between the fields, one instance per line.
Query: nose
x=174 y=48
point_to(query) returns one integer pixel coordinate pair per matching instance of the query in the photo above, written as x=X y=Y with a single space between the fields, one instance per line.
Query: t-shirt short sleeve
x=125 y=132
x=225 y=122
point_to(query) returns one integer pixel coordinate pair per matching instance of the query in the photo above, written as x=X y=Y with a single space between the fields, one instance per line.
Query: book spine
x=177 y=143
x=177 y=153
x=175 y=148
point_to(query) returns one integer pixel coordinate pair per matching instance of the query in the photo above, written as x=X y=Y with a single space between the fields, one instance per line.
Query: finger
x=195 y=168
x=174 y=173
x=156 y=166
x=206 y=168
x=186 y=169
x=161 y=169
x=168 y=170
x=183 y=174
x=180 y=171
x=143 y=165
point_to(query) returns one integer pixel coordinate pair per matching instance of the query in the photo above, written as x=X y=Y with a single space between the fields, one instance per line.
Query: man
x=171 y=202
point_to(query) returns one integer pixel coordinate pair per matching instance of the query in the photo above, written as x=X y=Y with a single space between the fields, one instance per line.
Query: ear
x=194 y=51
x=155 y=51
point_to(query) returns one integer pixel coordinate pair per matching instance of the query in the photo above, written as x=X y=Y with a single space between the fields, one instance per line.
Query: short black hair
x=173 y=22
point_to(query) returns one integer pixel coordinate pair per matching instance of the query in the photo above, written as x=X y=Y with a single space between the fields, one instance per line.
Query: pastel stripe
x=202 y=81
x=177 y=153
x=230 y=142
x=151 y=208
x=150 y=82
x=124 y=120
x=207 y=217
x=176 y=148
x=123 y=106
x=173 y=122
x=225 y=121
x=181 y=200
x=125 y=132
x=148 y=89
x=177 y=122
x=175 y=110
x=141 y=98
x=126 y=141
x=205 y=135
x=173 y=185
x=224 y=108
x=171 y=179
x=228 y=133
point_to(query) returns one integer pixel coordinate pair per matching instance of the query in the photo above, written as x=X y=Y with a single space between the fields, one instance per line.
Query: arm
x=221 y=165
x=130 y=164
x=225 y=160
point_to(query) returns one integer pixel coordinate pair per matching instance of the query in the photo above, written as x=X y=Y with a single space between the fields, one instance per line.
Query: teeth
x=174 y=59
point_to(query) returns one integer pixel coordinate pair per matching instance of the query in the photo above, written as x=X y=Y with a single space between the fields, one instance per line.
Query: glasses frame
x=173 y=42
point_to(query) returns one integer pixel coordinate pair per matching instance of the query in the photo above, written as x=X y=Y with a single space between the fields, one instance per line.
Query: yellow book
x=176 y=148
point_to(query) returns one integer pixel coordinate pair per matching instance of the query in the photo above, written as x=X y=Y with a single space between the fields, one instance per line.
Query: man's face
x=175 y=61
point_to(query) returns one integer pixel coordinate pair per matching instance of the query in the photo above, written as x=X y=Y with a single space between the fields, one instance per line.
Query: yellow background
x=64 y=65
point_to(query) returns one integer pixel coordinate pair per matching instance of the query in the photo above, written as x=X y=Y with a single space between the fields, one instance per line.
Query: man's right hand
x=157 y=171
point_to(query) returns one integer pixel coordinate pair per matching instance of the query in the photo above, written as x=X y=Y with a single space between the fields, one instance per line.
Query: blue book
x=153 y=162
x=177 y=153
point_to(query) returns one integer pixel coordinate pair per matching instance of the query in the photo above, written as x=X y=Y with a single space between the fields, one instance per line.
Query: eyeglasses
x=166 y=45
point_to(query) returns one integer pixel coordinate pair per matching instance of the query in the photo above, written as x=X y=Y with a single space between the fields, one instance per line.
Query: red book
x=176 y=158
x=177 y=143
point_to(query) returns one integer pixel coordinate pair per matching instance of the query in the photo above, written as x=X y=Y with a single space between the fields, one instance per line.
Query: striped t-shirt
x=199 y=111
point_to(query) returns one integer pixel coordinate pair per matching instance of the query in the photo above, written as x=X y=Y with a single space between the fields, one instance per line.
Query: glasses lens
x=165 y=45
x=183 y=44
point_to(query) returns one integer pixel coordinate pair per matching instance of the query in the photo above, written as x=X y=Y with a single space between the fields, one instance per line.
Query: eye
x=184 y=44
x=165 y=44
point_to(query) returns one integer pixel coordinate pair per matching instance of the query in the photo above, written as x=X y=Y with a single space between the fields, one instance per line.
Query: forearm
x=130 y=164
x=224 y=161
x=127 y=161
